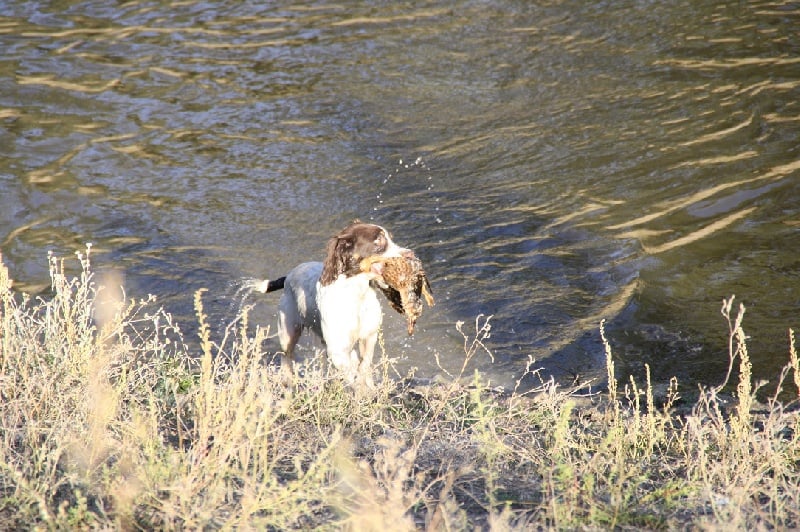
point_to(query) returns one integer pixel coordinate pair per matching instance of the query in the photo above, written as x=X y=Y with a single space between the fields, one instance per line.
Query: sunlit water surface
x=553 y=164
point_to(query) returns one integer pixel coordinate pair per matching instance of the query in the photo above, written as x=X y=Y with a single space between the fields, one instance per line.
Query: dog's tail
x=270 y=286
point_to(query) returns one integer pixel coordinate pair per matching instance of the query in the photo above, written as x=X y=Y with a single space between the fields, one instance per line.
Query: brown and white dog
x=335 y=300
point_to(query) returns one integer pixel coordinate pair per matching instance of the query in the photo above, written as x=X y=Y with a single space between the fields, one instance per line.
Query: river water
x=553 y=163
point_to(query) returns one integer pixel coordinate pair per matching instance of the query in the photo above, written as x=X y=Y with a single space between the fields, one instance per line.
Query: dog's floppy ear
x=337 y=256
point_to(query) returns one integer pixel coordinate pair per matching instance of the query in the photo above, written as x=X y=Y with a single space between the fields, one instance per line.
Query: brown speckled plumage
x=406 y=285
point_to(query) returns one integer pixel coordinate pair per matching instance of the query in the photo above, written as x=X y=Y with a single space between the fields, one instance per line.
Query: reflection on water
x=553 y=165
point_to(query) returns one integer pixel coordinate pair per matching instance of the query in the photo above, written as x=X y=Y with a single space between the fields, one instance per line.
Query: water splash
x=417 y=166
x=241 y=290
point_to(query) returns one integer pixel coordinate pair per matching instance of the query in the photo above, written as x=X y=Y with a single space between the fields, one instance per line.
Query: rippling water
x=553 y=163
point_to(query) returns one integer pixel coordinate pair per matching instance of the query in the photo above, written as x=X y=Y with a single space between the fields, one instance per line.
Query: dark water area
x=554 y=164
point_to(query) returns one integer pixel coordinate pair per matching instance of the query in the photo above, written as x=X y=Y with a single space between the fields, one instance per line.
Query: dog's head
x=353 y=244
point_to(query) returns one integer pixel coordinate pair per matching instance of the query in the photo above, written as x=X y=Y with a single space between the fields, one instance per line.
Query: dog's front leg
x=367 y=349
x=345 y=360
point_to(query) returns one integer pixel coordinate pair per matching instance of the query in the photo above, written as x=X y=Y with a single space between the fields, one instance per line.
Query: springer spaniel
x=336 y=301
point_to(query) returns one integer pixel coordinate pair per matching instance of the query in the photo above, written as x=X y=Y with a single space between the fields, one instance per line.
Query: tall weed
x=109 y=418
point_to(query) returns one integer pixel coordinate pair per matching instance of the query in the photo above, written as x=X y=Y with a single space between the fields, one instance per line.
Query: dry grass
x=108 y=420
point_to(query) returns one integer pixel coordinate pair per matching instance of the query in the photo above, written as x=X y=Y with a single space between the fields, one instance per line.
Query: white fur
x=342 y=313
x=350 y=314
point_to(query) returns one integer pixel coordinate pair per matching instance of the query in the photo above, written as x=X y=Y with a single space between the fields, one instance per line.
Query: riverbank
x=109 y=420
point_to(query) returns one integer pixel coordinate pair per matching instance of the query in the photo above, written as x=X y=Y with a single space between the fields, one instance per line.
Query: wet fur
x=336 y=301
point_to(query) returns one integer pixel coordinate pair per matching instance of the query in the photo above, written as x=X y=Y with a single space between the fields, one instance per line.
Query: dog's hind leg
x=289 y=331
